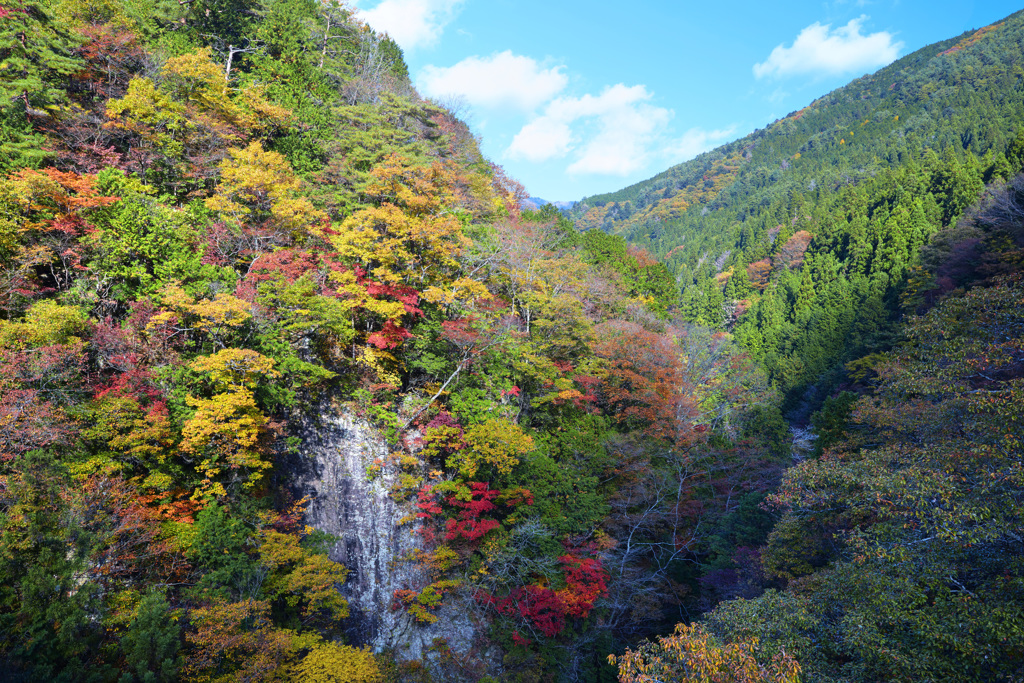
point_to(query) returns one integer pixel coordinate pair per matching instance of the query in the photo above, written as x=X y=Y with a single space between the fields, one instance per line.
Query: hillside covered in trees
x=226 y=225
x=898 y=552
x=799 y=238
x=222 y=224
x=866 y=251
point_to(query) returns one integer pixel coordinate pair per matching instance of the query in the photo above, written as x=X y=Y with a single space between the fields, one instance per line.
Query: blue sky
x=577 y=98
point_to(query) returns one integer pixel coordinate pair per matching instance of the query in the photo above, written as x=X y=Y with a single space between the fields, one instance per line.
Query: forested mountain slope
x=872 y=241
x=799 y=237
x=226 y=222
x=229 y=226
x=898 y=556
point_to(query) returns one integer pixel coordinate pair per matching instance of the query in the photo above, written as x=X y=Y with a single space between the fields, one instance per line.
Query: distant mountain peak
x=535 y=203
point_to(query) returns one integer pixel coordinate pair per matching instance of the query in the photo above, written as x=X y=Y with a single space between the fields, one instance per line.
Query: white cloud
x=501 y=80
x=541 y=139
x=698 y=140
x=819 y=49
x=411 y=23
x=627 y=128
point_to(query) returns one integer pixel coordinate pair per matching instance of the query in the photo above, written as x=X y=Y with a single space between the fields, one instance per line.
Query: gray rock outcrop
x=331 y=468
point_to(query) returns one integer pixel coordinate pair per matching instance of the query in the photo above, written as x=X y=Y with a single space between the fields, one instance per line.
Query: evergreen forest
x=295 y=387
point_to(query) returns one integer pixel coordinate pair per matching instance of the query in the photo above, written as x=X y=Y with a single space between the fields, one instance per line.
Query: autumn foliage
x=229 y=226
x=690 y=654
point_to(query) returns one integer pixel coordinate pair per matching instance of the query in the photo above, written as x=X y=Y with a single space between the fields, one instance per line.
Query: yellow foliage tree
x=193 y=94
x=279 y=550
x=334 y=663
x=46 y=322
x=299 y=576
x=226 y=429
x=177 y=121
x=691 y=654
x=196 y=81
x=257 y=187
x=236 y=642
x=405 y=248
x=215 y=317
x=147 y=112
x=413 y=236
x=220 y=312
x=234 y=369
x=316 y=580
x=496 y=443
x=131 y=431
x=224 y=436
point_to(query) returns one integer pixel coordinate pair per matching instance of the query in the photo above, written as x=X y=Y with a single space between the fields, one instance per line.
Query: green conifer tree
x=34 y=60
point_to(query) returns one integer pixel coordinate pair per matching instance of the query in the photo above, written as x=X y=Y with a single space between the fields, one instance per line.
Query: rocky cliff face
x=331 y=469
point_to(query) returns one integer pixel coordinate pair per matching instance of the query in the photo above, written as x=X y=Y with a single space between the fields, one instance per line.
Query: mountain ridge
x=585 y=211
x=831 y=203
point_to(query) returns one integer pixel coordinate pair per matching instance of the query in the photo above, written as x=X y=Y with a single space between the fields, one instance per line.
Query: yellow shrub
x=333 y=663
